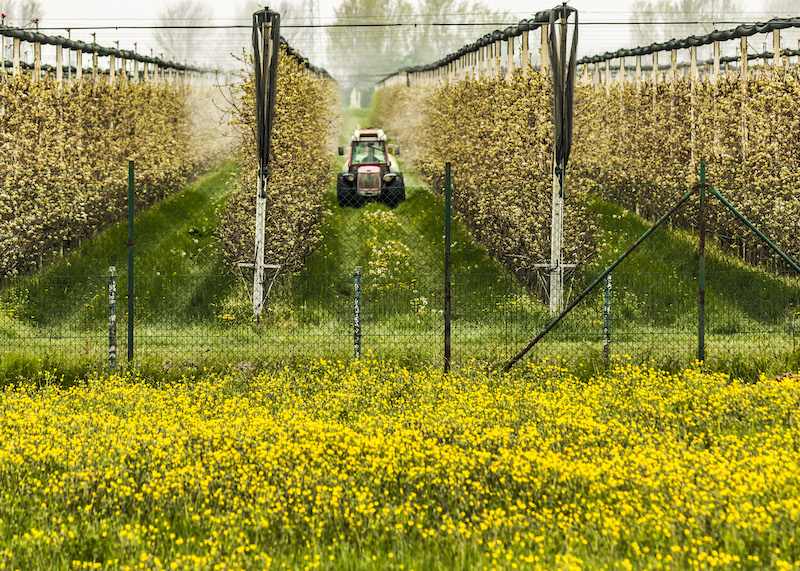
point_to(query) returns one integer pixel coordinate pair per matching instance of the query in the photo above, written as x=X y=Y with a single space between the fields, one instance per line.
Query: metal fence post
x=607 y=321
x=357 y=313
x=130 y=260
x=701 y=278
x=112 y=317
x=447 y=284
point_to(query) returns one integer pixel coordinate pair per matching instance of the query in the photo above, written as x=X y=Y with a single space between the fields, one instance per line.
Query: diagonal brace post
x=760 y=234
x=599 y=279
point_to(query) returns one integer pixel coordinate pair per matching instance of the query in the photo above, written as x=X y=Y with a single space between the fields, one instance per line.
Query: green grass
x=173 y=238
x=658 y=283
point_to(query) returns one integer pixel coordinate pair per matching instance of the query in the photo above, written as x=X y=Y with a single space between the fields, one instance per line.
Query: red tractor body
x=371 y=173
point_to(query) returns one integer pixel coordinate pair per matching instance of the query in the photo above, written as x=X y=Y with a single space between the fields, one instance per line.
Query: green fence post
x=447 y=285
x=130 y=260
x=701 y=278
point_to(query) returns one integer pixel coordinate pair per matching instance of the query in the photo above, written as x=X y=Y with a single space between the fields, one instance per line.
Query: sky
x=603 y=27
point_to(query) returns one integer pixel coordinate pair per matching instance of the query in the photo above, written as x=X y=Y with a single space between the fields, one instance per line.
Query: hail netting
x=266 y=39
x=744 y=30
x=563 y=87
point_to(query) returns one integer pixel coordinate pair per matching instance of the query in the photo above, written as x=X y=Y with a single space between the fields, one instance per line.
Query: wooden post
x=94 y=66
x=607 y=78
x=743 y=65
x=743 y=72
x=543 y=52
x=655 y=68
x=510 y=59
x=621 y=73
x=59 y=63
x=498 y=72
x=78 y=64
x=673 y=69
x=716 y=75
x=479 y=63
x=37 y=61
x=17 y=49
x=693 y=56
x=523 y=60
x=136 y=71
x=596 y=75
x=639 y=69
x=112 y=68
x=777 y=60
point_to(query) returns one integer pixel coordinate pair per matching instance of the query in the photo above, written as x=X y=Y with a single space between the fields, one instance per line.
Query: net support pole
x=716 y=62
x=15 y=66
x=59 y=63
x=37 y=61
x=559 y=167
x=543 y=49
x=523 y=58
x=266 y=45
x=556 y=240
x=261 y=216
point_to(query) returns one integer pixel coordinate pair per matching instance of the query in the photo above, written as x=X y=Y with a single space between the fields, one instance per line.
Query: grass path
x=407 y=241
x=174 y=237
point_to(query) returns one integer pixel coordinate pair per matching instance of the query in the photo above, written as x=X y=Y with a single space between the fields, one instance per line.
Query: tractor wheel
x=395 y=192
x=346 y=194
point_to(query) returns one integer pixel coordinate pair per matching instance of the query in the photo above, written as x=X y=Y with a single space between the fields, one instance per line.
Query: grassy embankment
x=656 y=300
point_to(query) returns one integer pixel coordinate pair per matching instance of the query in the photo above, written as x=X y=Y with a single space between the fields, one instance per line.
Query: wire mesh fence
x=373 y=286
x=313 y=316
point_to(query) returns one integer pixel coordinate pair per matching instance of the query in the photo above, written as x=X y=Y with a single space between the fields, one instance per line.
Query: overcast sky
x=86 y=16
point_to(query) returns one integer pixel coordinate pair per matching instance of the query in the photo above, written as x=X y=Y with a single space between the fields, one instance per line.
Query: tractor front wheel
x=346 y=194
x=395 y=192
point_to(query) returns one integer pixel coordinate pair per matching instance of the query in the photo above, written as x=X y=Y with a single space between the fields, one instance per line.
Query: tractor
x=371 y=173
